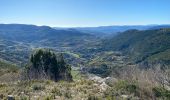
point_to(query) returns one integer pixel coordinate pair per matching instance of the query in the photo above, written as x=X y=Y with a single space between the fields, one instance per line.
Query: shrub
x=131 y=88
x=121 y=85
x=161 y=92
x=47 y=98
x=91 y=97
x=2 y=96
x=3 y=85
x=23 y=98
x=48 y=82
x=56 y=91
x=67 y=94
x=38 y=87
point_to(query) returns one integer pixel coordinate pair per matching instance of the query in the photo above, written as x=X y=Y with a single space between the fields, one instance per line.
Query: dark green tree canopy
x=46 y=64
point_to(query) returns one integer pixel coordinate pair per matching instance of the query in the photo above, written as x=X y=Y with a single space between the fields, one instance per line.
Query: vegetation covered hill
x=17 y=41
x=101 y=69
x=32 y=33
x=43 y=36
x=148 y=45
x=14 y=52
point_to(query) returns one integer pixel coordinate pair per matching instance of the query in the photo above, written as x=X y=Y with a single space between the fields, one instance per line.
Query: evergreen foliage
x=45 y=64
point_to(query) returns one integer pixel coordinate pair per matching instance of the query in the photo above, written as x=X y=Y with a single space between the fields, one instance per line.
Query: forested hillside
x=40 y=62
x=150 y=45
x=17 y=41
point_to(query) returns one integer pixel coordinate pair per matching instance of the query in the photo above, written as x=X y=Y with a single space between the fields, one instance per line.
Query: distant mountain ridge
x=107 y=30
x=115 y=29
x=21 y=32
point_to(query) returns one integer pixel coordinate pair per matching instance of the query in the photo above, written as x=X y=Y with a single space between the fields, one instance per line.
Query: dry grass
x=133 y=83
x=77 y=90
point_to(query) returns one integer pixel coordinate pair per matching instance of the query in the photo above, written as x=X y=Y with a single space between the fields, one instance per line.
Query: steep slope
x=148 y=45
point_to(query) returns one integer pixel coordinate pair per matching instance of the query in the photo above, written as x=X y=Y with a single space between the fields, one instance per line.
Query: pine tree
x=45 y=64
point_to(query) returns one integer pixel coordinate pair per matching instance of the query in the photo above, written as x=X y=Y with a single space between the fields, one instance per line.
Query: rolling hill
x=32 y=33
x=18 y=40
x=148 y=45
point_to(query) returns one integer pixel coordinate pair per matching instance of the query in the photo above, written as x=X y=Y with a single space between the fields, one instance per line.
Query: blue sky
x=73 y=13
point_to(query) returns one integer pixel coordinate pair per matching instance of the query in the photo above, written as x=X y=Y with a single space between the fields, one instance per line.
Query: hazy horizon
x=88 y=26
x=85 y=13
